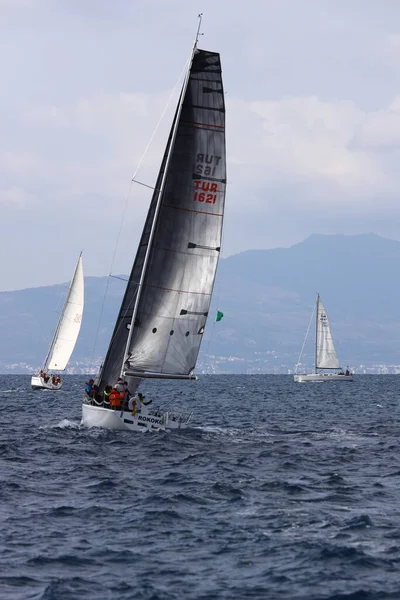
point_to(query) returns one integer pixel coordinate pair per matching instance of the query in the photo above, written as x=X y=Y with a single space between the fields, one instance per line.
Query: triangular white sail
x=326 y=357
x=69 y=324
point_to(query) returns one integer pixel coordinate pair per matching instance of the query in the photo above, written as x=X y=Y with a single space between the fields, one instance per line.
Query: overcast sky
x=313 y=122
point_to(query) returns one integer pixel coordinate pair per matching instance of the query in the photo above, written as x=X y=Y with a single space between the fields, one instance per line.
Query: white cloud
x=381 y=129
x=313 y=118
x=324 y=145
x=316 y=155
x=16 y=198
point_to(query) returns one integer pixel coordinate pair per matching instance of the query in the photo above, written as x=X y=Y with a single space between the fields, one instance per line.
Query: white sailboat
x=65 y=336
x=162 y=317
x=326 y=358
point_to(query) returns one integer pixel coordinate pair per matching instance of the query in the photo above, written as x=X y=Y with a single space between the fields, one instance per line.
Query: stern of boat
x=177 y=420
x=96 y=416
x=37 y=383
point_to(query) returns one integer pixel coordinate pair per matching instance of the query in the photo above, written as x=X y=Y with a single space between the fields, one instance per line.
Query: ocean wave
x=297 y=501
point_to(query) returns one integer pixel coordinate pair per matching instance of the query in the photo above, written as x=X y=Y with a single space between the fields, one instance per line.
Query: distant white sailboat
x=326 y=358
x=65 y=336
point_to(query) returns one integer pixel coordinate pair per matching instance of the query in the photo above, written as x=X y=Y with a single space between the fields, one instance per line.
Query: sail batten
x=145 y=375
x=326 y=357
x=170 y=286
x=69 y=324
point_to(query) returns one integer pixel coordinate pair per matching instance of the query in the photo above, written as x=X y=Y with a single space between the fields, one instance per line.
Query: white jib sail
x=69 y=324
x=326 y=357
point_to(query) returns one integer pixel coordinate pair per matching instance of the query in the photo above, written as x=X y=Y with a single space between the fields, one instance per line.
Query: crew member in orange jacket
x=117 y=395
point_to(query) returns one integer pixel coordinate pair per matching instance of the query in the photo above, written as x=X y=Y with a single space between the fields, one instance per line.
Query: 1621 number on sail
x=205 y=192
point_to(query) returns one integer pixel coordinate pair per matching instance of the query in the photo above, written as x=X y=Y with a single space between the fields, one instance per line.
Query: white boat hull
x=38 y=383
x=97 y=416
x=303 y=378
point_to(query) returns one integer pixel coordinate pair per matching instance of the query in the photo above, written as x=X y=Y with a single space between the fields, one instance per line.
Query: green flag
x=219 y=316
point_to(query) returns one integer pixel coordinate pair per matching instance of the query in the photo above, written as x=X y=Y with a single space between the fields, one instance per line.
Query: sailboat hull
x=38 y=383
x=96 y=416
x=318 y=377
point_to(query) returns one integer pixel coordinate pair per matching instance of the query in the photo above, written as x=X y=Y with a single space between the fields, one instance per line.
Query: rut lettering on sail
x=207 y=166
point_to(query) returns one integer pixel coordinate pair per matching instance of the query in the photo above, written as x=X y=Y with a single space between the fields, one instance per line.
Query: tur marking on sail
x=65 y=336
x=325 y=353
x=164 y=311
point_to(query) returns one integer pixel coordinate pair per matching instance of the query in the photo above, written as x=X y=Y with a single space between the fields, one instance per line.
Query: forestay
x=69 y=324
x=182 y=236
x=326 y=357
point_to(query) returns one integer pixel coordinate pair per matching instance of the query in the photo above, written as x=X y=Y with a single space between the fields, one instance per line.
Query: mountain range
x=267 y=297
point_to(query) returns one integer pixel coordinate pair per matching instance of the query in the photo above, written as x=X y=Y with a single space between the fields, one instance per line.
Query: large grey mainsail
x=178 y=253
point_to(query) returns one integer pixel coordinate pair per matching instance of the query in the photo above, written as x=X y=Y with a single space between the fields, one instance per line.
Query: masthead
x=200 y=17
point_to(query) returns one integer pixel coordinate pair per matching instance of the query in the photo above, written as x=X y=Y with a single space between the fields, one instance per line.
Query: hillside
x=267 y=297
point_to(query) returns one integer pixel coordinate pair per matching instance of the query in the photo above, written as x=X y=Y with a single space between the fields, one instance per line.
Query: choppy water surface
x=280 y=490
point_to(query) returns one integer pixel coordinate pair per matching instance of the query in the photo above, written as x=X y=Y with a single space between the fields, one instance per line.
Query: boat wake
x=63 y=424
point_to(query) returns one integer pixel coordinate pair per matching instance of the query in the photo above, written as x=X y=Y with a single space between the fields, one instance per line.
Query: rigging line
x=221 y=255
x=43 y=324
x=140 y=164
x=120 y=323
x=98 y=325
x=212 y=332
x=304 y=343
x=127 y=201
x=145 y=185
x=120 y=278
x=161 y=118
x=207 y=354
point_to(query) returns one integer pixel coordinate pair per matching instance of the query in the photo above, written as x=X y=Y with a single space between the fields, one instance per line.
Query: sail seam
x=207 y=79
x=221 y=110
x=203 y=124
x=159 y=287
x=202 y=212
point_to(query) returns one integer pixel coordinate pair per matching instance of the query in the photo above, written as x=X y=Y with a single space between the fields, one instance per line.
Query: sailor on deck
x=89 y=388
x=118 y=394
x=106 y=396
x=142 y=404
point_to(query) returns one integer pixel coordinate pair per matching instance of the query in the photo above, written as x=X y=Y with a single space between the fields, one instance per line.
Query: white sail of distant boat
x=65 y=336
x=326 y=358
x=163 y=314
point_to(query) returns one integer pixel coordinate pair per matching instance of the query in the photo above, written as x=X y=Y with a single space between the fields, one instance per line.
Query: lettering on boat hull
x=152 y=420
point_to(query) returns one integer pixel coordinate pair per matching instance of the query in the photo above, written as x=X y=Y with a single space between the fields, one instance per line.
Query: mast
x=62 y=315
x=200 y=17
x=316 y=334
x=159 y=199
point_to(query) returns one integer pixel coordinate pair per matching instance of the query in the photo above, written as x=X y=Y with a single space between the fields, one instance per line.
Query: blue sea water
x=278 y=491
